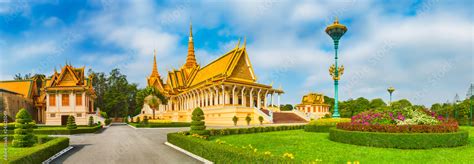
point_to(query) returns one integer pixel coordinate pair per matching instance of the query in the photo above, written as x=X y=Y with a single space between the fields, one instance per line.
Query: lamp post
x=390 y=91
x=336 y=31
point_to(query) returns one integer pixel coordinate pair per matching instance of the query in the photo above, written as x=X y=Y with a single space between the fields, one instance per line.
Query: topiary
x=198 y=125
x=71 y=122
x=235 y=119
x=260 y=118
x=145 y=120
x=248 y=119
x=23 y=130
x=91 y=121
x=138 y=120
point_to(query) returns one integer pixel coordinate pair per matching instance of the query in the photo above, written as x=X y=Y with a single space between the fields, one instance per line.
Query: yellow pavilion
x=224 y=88
x=313 y=105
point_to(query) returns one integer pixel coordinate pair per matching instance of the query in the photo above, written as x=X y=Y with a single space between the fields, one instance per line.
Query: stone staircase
x=286 y=117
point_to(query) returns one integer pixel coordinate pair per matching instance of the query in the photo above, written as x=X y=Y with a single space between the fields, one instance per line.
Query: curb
x=189 y=153
x=50 y=159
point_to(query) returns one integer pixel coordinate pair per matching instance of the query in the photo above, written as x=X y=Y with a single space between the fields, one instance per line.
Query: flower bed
x=388 y=128
x=323 y=125
x=412 y=129
x=400 y=140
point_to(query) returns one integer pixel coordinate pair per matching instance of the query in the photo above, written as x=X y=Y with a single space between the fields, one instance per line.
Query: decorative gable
x=242 y=70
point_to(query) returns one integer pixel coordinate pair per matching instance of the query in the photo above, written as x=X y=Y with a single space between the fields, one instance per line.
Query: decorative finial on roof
x=190 y=31
x=154 y=72
x=271 y=84
x=245 y=41
x=336 y=20
x=238 y=43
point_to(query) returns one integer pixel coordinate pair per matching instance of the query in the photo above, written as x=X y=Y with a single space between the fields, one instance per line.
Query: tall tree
x=116 y=99
x=286 y=107
x=143 y=93
x=377 y=103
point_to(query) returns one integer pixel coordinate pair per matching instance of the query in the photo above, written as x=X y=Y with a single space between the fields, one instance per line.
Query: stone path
x=124 y=144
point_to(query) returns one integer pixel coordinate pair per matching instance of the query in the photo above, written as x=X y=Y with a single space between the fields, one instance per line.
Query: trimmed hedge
x=65 y=131
x=159 y=125
x=42 y=152
x=323 y=125
x=221 y=153
x=221 y=132
x=400 y=140
x=447 y=127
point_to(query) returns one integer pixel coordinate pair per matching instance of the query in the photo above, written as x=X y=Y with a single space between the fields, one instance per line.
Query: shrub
x=248 y=119
x=221 y=153
x=400 y=140
x=228 y=131
x=23 y=130
x=323 y=125
x=235 y=119
x=138 y=120
x=260 y=118
x=65 y=131
x=131 y=119
x=91 y=121
x=107 y=121
x=71 y=122
x=156 y=125
x=42 y=152
x=446 y=127
x=145 y=120
x=197 y=124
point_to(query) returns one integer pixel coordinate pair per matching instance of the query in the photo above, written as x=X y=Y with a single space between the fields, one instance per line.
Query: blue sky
x=422 y=48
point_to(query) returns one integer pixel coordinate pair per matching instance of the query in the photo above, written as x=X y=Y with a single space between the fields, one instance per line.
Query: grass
x=310 y=146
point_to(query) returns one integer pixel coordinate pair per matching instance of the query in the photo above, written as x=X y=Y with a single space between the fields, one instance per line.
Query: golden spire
x=336 y=20
x=154 y=72
x=245 y=41
x=238 y=43
x=191 y=59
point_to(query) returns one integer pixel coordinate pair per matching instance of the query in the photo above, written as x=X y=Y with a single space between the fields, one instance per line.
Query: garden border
x=400 y=140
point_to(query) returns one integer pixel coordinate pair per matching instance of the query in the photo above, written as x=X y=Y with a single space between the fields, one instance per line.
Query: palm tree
x=153 y=102
x=152 y=97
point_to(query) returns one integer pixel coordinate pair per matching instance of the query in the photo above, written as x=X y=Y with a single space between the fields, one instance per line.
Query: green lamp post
x=336 y=31
x=390 y=91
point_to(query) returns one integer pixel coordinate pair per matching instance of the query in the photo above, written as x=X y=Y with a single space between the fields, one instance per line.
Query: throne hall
x=224 y=88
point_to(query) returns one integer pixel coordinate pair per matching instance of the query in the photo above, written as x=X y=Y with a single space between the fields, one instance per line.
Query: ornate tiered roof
x=232 y=67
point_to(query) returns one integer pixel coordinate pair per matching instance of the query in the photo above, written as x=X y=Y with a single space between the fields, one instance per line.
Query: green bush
x=23 y=130
x=400 y=140
x=235 y=119
x=71 y=122
x=65 y=131
x=42 y=152
x=232 y=131
x=138 y=120
x=260 y=118
x=107 y=121
x=197 y=124
x=91 y=121
x=156 y=125
x=323 y=125
x=145 y=120
x=248 y=119
x=221 y=153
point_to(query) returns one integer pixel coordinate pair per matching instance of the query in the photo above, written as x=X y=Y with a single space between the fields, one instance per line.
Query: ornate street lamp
x=336 y=31
x=390 y=91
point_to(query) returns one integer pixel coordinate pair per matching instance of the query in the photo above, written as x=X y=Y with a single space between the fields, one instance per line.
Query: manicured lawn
x=311 y=146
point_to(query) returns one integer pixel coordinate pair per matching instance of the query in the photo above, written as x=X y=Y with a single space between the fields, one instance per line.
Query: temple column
x=211 y=97
x=242 y=97
x=265 y=100
x=251 y=98
x=216 y=98
x=259 y=103
x=205 y=97
x=198 y=100
x=233 y=96
x=278 y=101
x=223 y=95
x=271 y=100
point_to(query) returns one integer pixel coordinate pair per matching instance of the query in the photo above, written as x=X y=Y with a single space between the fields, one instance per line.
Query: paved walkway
x=123 y=144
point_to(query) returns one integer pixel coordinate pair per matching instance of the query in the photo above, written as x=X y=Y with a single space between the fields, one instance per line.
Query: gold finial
x=238 y=43
x=245 y=41
x=190 y=30
x=336 y=21
x=271 y=84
